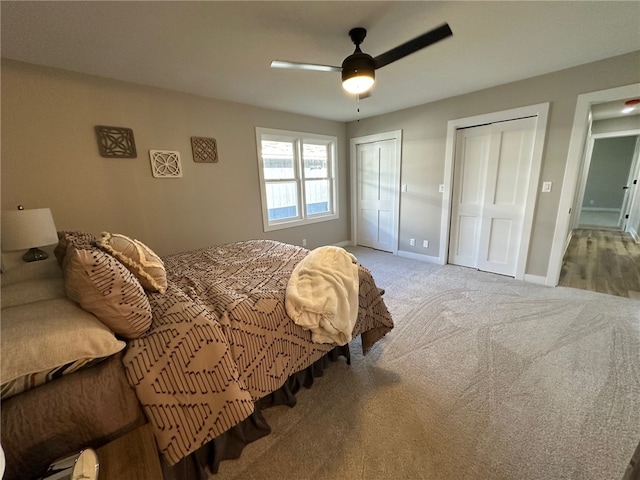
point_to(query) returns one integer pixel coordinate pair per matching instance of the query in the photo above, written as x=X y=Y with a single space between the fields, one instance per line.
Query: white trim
x=537 y=279
x=395 y=135
x=575 y=157
x=582 y=183
x=541 y=111
x=346 y=243
x=632 y=212
x=418 y=256
x=600 y=209
x=586 y=165
x=632 y=132
x=566 y=244
x=298 y=138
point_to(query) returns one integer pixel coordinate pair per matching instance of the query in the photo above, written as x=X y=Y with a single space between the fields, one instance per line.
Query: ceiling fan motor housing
x=358 y=64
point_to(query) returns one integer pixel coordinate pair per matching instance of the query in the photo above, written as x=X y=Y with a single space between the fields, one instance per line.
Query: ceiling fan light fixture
x=358 y=83
x=358 y=69
x=358 y=73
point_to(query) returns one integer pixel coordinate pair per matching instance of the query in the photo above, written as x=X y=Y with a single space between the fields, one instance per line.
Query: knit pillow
x=138 y=258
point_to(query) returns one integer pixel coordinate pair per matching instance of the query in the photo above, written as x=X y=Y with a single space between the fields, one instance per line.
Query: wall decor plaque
x=116 y=142
x=205 y=150
x=165 y=164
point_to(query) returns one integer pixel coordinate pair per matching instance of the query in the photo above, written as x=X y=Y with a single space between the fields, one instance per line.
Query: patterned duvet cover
x=221 y=339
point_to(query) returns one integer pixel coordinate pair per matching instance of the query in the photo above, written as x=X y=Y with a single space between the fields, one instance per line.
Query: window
x=297 y=178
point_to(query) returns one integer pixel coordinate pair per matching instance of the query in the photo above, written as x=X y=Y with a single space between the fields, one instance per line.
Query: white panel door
x=506 y=191
x=376 y=164
x=472 y=158
x=499 y=159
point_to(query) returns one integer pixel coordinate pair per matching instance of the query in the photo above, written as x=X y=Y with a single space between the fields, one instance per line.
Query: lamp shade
x=358 y=73
x=23 y=229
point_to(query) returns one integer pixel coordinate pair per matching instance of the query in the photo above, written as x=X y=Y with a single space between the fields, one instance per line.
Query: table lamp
x=28 y=229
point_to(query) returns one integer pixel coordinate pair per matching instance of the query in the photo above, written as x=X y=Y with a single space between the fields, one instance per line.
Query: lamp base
x=35 y=254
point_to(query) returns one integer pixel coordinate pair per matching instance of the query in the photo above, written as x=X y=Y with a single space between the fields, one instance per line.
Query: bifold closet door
x=376 y=177
x=491 y=177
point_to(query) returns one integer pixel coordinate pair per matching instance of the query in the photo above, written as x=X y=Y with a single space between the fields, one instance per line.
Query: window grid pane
x=278 y=160
x=282 y=200
x=318 y=197
x=316 y=160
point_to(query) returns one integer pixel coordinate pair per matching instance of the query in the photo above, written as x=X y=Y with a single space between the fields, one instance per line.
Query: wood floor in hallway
x=605 y=261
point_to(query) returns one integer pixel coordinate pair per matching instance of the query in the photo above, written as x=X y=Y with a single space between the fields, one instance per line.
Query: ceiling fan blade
x=418 y=43
x=304 y=66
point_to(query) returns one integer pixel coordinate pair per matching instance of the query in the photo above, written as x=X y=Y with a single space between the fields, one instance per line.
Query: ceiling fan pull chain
x=358 y=103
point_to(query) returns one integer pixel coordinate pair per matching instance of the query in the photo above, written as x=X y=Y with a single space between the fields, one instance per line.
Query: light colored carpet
x=483 y=377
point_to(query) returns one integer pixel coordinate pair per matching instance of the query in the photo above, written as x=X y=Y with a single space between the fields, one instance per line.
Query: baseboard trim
x=634 y=234
x=346 y=243
x=600 y=209
x=566 y=244
x=418 y=256
x=536 y=279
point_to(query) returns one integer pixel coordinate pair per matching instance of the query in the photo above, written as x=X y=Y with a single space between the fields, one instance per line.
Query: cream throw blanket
x=322 y=294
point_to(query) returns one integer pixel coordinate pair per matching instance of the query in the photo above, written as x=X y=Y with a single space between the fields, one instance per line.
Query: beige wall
x=50 y=159
x=424 y=135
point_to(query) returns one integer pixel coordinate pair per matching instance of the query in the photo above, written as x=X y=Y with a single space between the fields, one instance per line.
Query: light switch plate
x=546 y=187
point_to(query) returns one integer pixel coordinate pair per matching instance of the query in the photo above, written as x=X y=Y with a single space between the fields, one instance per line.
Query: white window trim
x=299 y=138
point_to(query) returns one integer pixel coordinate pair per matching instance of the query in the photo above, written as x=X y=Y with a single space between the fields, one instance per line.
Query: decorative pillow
x=81 y=240
x=138 y=258
x=31 y=291
x=42 y=341
x=104 y=287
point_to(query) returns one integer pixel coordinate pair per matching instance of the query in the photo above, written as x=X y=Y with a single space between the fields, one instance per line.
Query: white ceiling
x=223 y=49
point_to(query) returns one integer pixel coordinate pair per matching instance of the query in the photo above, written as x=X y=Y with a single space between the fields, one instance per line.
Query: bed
x=196 y=344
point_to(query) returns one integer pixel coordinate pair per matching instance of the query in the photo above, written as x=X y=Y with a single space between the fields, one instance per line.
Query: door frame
x=634 y=175
x=575 y=159
x=541 y=111
x=584 y=177
x=395 y=135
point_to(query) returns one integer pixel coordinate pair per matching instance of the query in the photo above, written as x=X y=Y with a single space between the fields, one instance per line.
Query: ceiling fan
x=358 y=69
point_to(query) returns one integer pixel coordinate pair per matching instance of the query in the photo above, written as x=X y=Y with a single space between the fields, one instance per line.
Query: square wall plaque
x=165 y=164
x=204 y=149
x=116 y=142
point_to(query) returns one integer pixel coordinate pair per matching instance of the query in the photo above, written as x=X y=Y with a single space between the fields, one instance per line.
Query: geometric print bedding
x=220 y=339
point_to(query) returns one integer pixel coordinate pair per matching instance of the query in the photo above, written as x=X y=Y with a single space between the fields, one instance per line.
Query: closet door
x=377 y=177
x=470 y=167
x=491 y=177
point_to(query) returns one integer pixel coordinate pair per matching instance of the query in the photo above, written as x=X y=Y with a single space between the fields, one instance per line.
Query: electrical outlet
x=304 y=242
x=441 y=188
x=425 y=243
x=412 y=242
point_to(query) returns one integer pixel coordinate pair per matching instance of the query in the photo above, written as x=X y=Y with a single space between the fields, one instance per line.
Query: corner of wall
x=418 y=256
